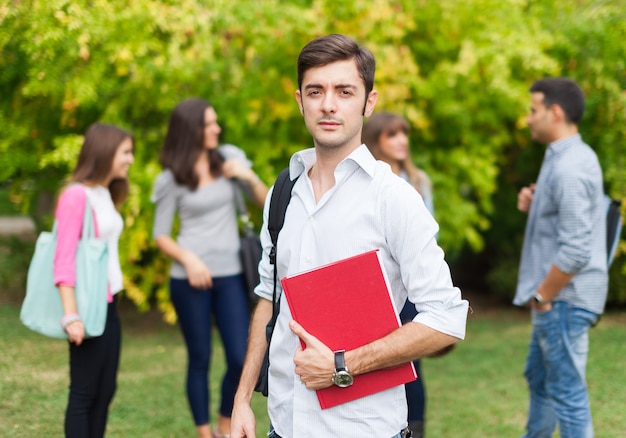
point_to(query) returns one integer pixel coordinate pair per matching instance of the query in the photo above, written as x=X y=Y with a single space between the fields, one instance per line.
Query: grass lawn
x=476 y=391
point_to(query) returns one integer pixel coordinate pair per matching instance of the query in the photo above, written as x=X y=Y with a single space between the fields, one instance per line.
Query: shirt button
x=311 y=218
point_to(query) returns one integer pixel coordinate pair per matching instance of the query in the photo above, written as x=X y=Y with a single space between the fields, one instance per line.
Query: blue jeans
x=555 y=371
x=227 y=301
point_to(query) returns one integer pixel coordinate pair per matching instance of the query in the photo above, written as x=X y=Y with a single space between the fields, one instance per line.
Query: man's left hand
x=315 y=364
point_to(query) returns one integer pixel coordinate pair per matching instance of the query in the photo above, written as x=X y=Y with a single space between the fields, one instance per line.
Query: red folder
x=347 y=304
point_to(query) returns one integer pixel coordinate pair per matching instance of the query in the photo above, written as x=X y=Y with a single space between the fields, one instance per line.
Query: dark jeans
x=93 y=376
x=227 y=301
x=415 y=391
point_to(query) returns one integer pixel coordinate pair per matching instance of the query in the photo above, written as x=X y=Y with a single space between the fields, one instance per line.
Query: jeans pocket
x=579 y=321
x=544 y=318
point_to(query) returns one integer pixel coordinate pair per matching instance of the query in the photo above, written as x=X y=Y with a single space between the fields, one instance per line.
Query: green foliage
x=458 y=70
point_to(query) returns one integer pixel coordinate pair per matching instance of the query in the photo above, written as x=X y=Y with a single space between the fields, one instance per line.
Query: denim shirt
x=566 y=227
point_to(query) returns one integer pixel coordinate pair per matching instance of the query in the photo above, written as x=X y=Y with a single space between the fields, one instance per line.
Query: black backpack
x=278 y=208
x=613 y=227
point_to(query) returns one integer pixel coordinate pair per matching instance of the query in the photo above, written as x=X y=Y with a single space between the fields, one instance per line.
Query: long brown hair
x=184 y=142
x=389 y=124
x=95 y=159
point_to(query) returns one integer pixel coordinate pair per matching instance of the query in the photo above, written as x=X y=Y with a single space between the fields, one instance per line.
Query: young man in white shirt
x=343 y=204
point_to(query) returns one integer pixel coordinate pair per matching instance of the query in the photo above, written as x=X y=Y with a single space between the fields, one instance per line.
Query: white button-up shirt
x=368 y=208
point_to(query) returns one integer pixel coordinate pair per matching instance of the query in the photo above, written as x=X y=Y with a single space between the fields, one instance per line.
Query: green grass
x=150 y=399
x=476 y=391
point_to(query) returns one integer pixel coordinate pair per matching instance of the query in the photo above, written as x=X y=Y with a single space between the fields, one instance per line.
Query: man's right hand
x=242 y=421
x=525 y=198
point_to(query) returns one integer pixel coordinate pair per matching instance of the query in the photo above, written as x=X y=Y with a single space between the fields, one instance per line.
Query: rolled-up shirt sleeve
x=266 y=270
x=411 y=232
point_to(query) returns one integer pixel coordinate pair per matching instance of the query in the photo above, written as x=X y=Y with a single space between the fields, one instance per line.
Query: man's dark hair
x=335 y=47
x=564 y=93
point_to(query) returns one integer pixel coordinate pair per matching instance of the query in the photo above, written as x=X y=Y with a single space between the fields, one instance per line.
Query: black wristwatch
x=538 y=299
x=341 y=377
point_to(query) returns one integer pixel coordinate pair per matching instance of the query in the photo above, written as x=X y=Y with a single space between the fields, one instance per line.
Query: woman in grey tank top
x=206 y=279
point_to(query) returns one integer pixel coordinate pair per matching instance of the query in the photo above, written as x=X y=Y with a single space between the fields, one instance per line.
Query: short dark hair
x=184 y=142
x=563 y=92
x=335 y=47
x=95 y=159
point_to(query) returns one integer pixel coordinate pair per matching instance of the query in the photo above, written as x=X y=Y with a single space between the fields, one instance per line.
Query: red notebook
x=347 y=304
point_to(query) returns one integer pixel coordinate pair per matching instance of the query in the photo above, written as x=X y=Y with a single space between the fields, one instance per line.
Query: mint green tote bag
x=42 y=309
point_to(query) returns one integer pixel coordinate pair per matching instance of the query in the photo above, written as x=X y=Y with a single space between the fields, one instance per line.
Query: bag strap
x=89 y=228
x=88 y=220
x=281 y=195
x=242 y=211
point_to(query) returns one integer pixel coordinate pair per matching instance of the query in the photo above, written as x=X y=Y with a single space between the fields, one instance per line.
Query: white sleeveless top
x=110 y=225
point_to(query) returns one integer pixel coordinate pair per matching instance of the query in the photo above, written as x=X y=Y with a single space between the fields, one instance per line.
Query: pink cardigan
x=69 y=215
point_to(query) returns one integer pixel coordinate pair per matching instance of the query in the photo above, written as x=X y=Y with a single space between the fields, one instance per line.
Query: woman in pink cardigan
x=101 y=176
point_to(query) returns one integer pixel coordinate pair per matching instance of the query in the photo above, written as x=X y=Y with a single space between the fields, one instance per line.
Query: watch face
x=343 y=379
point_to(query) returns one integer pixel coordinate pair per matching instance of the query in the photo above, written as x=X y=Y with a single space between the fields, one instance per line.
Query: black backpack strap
x=281 y=195
x=278 y=207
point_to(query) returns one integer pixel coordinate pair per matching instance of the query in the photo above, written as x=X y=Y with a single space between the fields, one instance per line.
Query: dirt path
x=16 y=226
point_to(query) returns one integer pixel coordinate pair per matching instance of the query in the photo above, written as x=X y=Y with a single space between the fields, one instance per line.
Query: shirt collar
x=302 y=161
x=562 y=144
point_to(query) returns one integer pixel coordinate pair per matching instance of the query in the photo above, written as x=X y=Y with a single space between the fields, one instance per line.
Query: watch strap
x=340 y=360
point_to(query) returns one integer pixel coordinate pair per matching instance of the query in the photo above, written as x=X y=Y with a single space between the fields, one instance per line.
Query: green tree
x=458 y=70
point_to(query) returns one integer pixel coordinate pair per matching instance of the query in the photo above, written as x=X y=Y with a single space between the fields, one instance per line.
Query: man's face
x=540 y=120
x=332 y=101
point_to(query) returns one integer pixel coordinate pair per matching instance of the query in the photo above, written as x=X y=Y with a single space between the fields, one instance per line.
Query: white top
x=369 y=207
x=110 y=225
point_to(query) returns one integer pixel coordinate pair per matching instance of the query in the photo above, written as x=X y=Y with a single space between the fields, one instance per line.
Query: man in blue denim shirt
x=563 y=271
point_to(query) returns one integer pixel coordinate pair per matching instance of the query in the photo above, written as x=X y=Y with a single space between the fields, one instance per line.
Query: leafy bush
x=459 y=71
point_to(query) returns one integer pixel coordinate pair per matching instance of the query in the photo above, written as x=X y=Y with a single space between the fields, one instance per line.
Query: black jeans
x=93 y=379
